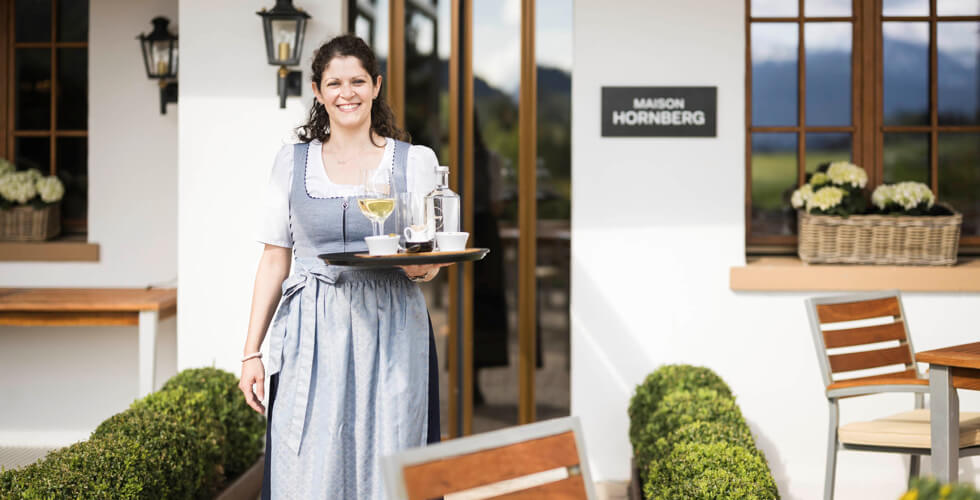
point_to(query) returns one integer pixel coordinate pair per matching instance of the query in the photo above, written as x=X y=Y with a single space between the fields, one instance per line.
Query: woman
x=351 y=357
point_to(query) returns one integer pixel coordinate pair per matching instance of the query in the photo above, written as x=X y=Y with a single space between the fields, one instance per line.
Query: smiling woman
x=351 y=353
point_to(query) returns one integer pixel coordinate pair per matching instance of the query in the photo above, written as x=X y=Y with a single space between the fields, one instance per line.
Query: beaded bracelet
x=250 y=356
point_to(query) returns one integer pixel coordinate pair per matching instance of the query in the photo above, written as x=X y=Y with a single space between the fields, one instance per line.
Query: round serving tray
x=403 y=259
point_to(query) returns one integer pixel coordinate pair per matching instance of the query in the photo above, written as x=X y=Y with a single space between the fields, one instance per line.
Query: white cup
x=451 y=242
x=382 y=245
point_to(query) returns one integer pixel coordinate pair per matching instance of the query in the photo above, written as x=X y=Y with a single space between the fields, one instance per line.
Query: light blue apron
x=351 y=350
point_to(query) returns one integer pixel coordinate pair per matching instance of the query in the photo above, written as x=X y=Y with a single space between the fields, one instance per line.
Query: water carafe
x=442 y=204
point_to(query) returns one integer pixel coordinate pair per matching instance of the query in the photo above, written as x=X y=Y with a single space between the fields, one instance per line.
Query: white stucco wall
x=678 y=203
x=230 y=130
x=57 y=384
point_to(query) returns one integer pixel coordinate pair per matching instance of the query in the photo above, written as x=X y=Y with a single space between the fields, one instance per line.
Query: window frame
x=8 y=125
x=867 y=106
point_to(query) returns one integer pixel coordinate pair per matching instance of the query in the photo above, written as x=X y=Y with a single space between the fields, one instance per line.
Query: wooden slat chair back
x=844 y=351
x=841 y=351
x=553 y=450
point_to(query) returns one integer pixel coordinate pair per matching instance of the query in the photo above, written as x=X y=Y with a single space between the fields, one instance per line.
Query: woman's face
x=347 y=92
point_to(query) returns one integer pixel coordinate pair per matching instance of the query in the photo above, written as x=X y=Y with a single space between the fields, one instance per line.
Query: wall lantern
x=160 y=59
x=284 y=27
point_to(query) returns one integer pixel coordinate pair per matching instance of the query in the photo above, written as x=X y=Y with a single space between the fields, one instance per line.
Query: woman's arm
x=273 y=270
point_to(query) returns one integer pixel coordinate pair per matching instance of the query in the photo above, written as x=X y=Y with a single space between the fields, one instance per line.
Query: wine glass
x=377 y=202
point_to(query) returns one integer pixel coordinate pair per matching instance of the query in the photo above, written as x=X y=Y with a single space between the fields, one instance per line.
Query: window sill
x=71 y=248
x=789 y=274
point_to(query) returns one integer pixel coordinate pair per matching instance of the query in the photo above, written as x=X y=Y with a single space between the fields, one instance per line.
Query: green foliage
x=664 y=380
x=690 y=440
x=931 y=489
x=696 y=432
x=170 y=444
x=710 y=471
x=679 y=409
x=243 y=427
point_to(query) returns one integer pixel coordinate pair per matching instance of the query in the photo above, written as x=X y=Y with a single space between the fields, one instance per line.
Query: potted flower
x=904 y=225
x=29 y=204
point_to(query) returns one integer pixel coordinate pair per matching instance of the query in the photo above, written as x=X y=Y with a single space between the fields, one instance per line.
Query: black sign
x=659 y=111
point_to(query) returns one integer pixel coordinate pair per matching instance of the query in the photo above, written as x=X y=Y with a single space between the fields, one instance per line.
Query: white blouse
x=420 y=176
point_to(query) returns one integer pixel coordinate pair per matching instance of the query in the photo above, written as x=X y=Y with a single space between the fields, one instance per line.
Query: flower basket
x=26 y=223
x=880 y=239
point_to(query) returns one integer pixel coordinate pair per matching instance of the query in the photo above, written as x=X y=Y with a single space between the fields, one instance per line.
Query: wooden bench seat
x=143 y=308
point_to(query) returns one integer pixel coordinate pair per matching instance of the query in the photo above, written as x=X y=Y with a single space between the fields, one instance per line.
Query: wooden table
x=95 y=307
x=950 y=368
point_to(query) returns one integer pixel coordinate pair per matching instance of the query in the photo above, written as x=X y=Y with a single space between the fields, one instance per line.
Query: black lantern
x=284 y=27
x=160 y=59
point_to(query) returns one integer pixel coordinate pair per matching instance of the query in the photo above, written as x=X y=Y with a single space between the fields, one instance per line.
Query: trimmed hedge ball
x=167 y=445
x=663 y=381
x=184 y=442
x=696 y=471
x=244 y=429
x=696 y=432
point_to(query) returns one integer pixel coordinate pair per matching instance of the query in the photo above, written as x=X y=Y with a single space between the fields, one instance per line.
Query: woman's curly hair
x=382 y=118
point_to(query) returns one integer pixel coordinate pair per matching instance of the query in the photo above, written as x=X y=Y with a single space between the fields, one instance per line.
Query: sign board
x=659 y=111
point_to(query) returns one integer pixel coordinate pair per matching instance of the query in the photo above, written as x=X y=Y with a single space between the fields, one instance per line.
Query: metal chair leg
x=916 y=460
x=832 y=445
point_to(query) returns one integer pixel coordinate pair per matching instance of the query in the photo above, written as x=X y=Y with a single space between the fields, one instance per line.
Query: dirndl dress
x=352 y=359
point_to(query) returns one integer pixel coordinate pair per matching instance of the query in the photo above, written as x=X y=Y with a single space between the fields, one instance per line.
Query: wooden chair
x=552 y=450
x=846 y=350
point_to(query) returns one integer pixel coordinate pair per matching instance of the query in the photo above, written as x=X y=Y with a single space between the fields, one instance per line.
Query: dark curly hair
x=382 y=118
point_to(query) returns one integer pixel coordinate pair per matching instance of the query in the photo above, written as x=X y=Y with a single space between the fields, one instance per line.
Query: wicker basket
x=880 y=239
x=26 y=223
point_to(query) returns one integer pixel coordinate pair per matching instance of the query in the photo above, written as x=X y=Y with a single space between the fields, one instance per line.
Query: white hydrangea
x=826 y=198
x=34 y=174
x=17 y=187
x=843 y=173
x=818 y=179
x=910 y=194
x=5 y=167
x=50 y=188
x=800 y=196
x=883 y=195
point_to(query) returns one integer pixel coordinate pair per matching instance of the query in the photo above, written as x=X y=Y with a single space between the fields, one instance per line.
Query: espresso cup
x=451 y=242
x=382 y=245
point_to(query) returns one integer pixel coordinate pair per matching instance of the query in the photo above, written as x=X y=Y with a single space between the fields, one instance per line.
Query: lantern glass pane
x=160 y=58
x=283 y=38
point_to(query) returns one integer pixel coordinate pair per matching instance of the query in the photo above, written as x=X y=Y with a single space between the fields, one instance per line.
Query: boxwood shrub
x=701 y=432
x=244 y=429
x=698 y=471
x=170 y=444
x=663 y=381
x=691 y=441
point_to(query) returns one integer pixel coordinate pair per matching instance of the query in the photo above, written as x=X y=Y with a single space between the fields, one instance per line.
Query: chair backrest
x=885 y=343
x=551 y=451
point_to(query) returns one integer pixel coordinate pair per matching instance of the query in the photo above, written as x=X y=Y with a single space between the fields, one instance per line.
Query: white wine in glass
x=377 y=202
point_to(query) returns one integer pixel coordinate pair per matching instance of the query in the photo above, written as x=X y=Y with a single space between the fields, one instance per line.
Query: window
x=892 y=85
x=45 y=51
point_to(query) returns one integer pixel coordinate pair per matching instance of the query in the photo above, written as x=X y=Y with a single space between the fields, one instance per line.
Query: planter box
x=248 y=486
x=26 y=223
x=880 y=239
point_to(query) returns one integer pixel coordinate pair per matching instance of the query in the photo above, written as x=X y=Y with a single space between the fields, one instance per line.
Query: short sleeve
x=274 y=220
x=421 y=170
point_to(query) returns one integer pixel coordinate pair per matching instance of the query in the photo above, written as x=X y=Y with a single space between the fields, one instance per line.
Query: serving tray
x=362 y=259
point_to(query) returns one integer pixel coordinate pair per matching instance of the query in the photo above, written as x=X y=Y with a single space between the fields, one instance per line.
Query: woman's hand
x=253 y=374
x=423 y=272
